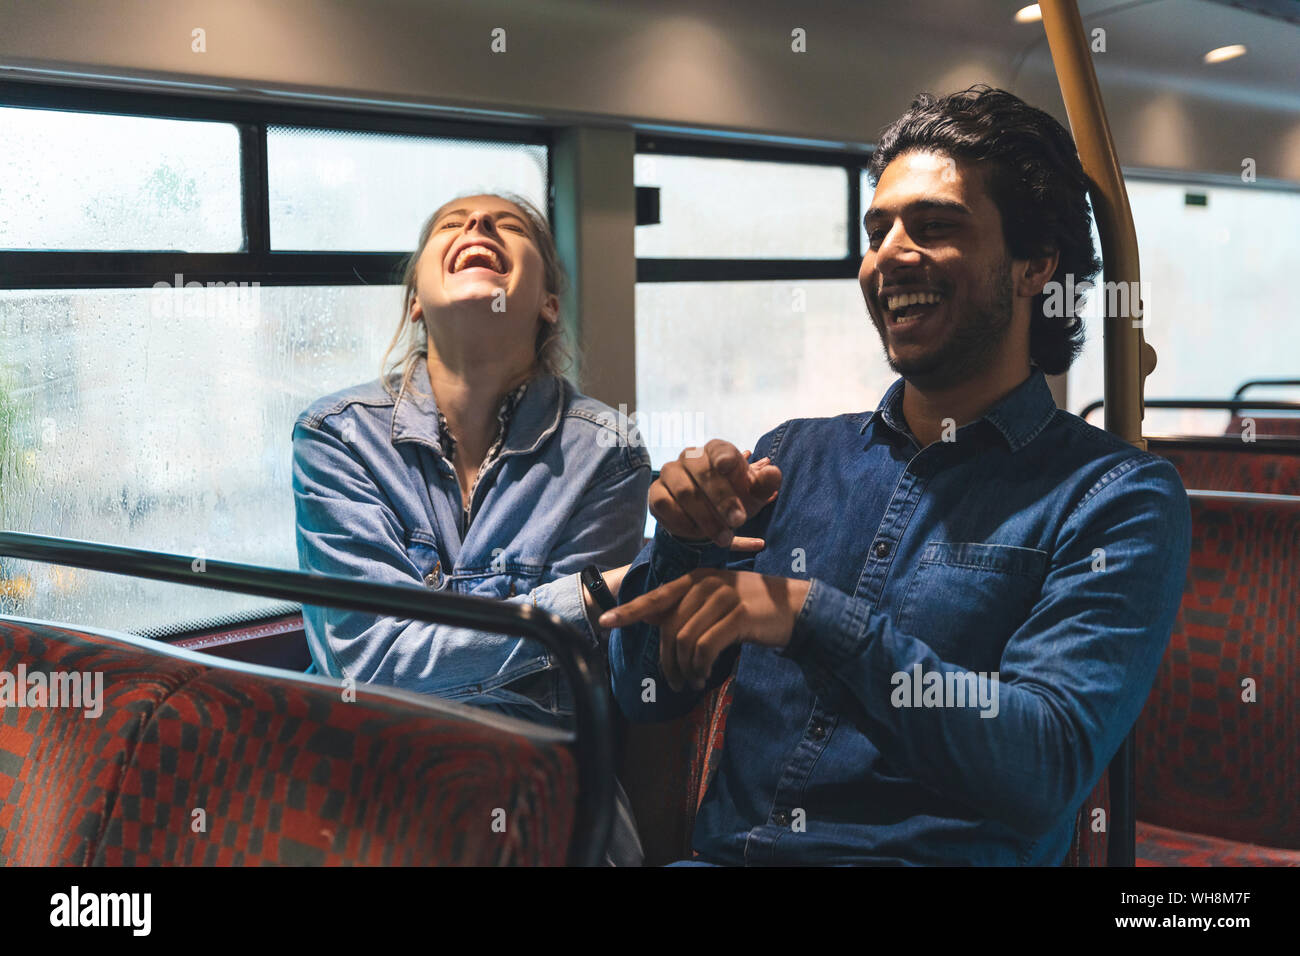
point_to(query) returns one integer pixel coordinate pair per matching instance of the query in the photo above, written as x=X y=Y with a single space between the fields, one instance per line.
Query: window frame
x=852 y=161
x=114 y=269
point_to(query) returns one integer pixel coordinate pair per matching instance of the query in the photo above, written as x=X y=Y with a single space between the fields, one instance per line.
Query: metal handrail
x=1264 y=381
x=1129 y=359
x=593 y=714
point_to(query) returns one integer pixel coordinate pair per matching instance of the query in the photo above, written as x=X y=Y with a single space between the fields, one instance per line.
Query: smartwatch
x=597 y=588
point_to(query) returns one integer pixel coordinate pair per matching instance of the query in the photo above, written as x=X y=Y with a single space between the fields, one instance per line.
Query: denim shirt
x=376 y=499
x=1033 y=545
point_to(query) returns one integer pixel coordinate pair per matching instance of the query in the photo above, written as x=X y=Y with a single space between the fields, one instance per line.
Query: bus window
x=723 y=208
x=1214 y=262
x=155 y=183
x=778 y=330
x=160 y=416
x=365 y=191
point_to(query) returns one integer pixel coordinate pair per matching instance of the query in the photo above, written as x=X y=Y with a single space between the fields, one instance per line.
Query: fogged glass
x=163 y=420
x=741 y=209
x=733 y=360
x=371 y=192
x=1217 y=290
x=86 y=181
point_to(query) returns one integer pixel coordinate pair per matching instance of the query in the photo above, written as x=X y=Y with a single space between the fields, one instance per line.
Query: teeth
x=896 y=302
x=477 y=251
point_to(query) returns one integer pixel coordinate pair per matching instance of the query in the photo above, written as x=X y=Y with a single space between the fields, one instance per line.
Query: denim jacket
x=1033 y=546
x=376 y=499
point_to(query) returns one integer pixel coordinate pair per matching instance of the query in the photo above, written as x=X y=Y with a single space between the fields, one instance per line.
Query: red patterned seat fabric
x=283 y=770
x=1159 y=846
x=1217 y=741
x=1280 y=426
x=1229 y=470
x=709 y=729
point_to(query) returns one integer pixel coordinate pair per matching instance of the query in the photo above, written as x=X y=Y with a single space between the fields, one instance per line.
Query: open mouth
x=909 y=307
x=478 y=257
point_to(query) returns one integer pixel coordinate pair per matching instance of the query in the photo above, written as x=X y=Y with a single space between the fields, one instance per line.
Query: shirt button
x=881 y=549
x=817 y=731
x=433 y=577
x=781 y=818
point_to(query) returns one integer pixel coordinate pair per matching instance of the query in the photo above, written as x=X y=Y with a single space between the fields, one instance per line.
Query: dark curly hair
x=1035 y=180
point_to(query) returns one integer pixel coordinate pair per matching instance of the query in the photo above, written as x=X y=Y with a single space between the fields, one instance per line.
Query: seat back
x=1273 y=425
x=666 y=770
x=1232 y=469
x=61 y=770
x=1217 y=740
x=1090 y=845
x=196 y=761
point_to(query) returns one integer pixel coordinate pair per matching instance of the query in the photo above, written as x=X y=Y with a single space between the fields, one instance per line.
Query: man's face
x=937 y=274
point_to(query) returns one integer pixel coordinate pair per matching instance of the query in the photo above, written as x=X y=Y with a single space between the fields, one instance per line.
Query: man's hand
x=701 y=614
x=709 y=492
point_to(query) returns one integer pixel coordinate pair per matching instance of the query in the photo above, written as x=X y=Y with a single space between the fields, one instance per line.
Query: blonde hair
x=550 y=348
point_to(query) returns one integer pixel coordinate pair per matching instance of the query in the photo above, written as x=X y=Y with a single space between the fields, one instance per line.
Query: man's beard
x=969 y=348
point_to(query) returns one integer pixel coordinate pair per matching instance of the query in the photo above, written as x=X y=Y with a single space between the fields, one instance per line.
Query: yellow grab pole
x=1128 y=357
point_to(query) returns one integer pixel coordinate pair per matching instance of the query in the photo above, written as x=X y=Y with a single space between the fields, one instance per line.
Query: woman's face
x=482 y=264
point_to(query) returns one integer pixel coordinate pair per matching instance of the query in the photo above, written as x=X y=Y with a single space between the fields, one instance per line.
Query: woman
x=473 y=466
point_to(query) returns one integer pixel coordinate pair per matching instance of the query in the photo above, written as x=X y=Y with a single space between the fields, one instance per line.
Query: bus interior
x=204 y=211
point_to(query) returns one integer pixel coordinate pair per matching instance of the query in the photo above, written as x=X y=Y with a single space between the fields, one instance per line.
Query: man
x=961 y=599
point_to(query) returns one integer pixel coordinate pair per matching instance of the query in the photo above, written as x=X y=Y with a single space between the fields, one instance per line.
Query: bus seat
x=665 y=773
x=1277 y=426
x=61 y=770
x=669 y=767
x=1228 y=470
x=197 y=760
x=1161 y=846
x=1090 y=847
x=1217 y=778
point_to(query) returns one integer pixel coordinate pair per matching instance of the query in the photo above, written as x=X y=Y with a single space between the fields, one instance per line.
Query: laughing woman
x=471 y=466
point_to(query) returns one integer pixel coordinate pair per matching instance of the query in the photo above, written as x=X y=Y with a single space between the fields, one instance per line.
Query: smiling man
x=943 y=616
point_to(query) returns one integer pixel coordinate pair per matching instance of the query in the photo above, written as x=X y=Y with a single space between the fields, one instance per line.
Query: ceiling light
x=1225 y=53
x=1029 y=14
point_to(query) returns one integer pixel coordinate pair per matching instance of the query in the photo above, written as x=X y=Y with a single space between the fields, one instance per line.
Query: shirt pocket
x=424 y=555
x=500 y=584
x=966 y=599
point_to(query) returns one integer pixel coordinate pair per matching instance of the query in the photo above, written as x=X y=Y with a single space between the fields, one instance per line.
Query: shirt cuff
x=831 y=628
x=563 y=598
x=672 y=557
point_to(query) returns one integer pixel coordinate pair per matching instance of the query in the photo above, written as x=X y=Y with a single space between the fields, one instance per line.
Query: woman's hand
x=701 y=614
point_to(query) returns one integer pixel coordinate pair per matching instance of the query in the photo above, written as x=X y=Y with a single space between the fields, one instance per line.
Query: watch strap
x=597 y=588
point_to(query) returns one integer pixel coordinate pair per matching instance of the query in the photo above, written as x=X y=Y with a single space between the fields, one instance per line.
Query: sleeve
x=346 y=526
x=1074 y=676
x=638 y=684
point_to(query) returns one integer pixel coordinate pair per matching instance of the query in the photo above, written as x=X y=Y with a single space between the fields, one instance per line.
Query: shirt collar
x=535 y=413
x=505 y=411
x=1018 y=417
